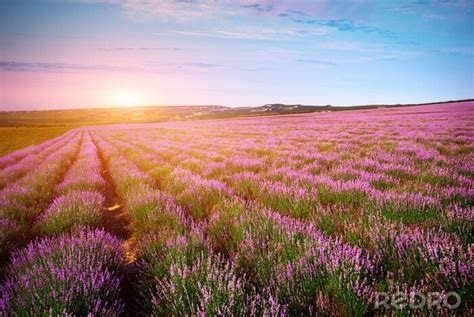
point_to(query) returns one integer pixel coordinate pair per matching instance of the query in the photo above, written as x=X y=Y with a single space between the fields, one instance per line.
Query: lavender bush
x=78 y=208
x=75 y=274
x=209 y=286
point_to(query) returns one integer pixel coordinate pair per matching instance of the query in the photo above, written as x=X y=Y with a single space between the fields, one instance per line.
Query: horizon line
x=237 y=107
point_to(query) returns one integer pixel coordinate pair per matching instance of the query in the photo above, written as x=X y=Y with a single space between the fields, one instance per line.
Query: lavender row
x=305 y=215
x=22 y=201
x=13 y=172
x=76 y=274
x=17 y=156
x=245 y=245
x=180 y=273
x=79 y=200
x=413 y=275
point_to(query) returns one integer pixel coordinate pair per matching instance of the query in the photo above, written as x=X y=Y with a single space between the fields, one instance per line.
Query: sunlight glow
x=128 y=98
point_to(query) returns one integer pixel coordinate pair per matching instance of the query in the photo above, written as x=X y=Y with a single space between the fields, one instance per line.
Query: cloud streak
x=436 y=9
x=298 y=11
x=59 y=67
x=315 y=62
x=344 y=25
x=16 y=66
x=255 y=33
x=141 y=49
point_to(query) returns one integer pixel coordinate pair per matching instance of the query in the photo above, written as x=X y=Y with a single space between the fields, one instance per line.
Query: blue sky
x=69 y=54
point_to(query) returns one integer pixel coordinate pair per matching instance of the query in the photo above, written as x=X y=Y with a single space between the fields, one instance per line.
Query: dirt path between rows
x=117 y=221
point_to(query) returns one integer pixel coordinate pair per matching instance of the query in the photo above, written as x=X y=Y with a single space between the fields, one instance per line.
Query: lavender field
x=313 y=214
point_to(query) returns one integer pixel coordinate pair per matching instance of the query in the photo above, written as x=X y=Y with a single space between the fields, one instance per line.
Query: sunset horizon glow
x=59 y=54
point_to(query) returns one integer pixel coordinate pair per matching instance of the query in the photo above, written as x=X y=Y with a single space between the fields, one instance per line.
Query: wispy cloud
x=255 y=33
x=306 y=13
x=17 y=66
x=372 y=49
x=140 y=49
x=293 y=13
x=315 y=62
x=344 y=25
x=180 y=9
x=259 y=7
x=453 y=52
x=230 y=34
x=436 y=9
x=197 y=65
x=60 y=67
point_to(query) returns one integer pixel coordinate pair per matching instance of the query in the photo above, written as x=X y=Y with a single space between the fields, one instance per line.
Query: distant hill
x=94 y=116
x=281 y=108
x=80 y=117
x=298 y=108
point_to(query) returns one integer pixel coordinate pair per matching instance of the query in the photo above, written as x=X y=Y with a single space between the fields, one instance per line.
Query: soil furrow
x=117 y=221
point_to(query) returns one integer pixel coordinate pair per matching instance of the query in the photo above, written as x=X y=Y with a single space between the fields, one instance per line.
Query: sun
x=128 y=98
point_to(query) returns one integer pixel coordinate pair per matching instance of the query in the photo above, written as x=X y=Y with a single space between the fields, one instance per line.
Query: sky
x=106 y=53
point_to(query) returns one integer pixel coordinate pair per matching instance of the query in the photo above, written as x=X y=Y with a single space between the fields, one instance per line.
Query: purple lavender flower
x=75 y=274
x=77 y=208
